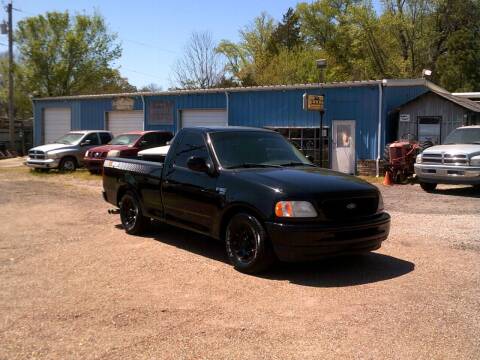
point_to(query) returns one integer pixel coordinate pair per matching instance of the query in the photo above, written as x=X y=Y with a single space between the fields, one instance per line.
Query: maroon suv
x=125 y=145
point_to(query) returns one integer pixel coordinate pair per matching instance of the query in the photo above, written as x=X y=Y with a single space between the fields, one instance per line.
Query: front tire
x=428 y=187
x=133 y=221
x=247 y=244
x=68 y=164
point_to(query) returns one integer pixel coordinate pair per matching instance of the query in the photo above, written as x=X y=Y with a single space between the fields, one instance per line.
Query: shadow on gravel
x=468 y=191
x=342 y=271
x=329 y=272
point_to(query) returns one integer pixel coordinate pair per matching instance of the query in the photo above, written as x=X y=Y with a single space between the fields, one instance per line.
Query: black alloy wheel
x=248 y=248
x=131 y=215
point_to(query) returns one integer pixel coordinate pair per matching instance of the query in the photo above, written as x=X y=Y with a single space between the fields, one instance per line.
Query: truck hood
x=467 y=149
x=52 y=147
x=307 y=181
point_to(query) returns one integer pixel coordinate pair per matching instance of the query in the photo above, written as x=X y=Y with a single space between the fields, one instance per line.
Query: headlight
x=51 y=155
x=475 y=161
x=113 y=153
x=419 y=159
x=86 y=153
x=380 y=206
x=295 y=209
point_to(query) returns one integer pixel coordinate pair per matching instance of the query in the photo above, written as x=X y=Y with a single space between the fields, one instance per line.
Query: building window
x=429 y=129
x=307 y=140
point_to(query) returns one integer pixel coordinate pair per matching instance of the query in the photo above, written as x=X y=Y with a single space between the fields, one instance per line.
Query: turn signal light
x=295 y=209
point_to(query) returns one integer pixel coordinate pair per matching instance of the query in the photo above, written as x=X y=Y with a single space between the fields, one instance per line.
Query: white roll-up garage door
x=57 y=122
x=119 y=122
x=192 y=118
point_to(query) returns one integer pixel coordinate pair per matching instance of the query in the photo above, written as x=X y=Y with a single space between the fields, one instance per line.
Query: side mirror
x=143 y=143
x=199 y=164
x=86 y=142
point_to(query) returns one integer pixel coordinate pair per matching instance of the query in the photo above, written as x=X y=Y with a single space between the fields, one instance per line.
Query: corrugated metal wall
x=394 y=97
x=181 y=102
x=284 y=109
x=86 y=113
x=259 y=108
x=432 y=105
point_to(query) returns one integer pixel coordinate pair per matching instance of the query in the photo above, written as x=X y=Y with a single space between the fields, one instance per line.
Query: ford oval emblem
x=351 y=206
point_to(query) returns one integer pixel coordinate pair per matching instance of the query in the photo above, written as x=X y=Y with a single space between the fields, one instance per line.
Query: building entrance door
x=343 y=146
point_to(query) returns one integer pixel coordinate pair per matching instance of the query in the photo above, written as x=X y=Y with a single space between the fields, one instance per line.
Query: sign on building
x=313 y=102
x=161 y=112
x=122 y=104
x=404 y=117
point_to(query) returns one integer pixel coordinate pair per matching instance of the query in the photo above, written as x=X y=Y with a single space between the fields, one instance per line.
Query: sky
x=153 y=34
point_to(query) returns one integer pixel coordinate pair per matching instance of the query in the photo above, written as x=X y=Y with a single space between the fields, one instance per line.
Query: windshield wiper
x=252 y=165
x=297 y=163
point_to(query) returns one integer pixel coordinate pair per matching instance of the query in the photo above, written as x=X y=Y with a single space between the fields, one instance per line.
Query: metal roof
x=346 y=84
x=470 y=95
x=460 y=101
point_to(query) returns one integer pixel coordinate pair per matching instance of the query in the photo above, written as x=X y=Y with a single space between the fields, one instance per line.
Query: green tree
x=23 y=105
x=455 y=47
x=287 y=33
x=60 y=54
x=249 y=57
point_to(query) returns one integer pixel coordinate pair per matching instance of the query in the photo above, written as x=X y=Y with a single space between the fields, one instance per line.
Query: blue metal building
x=357 y=114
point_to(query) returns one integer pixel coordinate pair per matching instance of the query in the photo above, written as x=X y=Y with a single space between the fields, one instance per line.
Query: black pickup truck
x=253 y=190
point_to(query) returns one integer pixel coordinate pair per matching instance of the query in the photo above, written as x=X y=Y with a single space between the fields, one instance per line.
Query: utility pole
x=321 y=65
x=11 y=120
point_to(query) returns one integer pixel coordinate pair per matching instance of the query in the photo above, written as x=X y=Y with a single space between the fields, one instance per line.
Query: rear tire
x=133 y=221
x=428 y=187
x=247 y=244
x=68 y=164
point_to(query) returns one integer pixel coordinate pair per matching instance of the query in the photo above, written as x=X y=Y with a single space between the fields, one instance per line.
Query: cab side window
x=192 y=144
x=105 y=137
x=162 y=138
x=148 y=141
x=93 y=137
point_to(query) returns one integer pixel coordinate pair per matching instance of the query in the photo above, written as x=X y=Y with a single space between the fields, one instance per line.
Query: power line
x=148 y=45
x=140 y=73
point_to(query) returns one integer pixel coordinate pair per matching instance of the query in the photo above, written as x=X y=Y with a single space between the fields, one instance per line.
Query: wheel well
x=230 y=213
x=120 y=193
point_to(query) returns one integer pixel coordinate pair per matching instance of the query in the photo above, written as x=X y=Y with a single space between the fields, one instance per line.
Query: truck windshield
x=127 y=139
x=246 y=149
x=69 y=139
x=464 y=136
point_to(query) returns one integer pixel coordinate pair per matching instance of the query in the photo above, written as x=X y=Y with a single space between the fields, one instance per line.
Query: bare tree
x=152 y=87
x=200 y=67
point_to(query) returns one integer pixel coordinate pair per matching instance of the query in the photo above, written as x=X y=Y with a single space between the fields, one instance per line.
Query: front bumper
x=441 y=174
x=297 y=242
x=42 y=164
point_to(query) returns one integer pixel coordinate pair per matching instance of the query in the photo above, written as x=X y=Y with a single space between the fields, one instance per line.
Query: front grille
x=432 y=158
x=446 y=159
x=348 y=208
x=36 y=154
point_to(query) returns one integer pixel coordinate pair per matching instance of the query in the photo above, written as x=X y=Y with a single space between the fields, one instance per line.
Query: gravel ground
x=74 y=285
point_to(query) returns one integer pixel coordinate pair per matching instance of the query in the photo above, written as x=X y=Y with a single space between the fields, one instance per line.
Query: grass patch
x=81 y=174
x=372 y=179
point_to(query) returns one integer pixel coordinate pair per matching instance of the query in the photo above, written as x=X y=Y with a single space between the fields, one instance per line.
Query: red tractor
x=400 y=158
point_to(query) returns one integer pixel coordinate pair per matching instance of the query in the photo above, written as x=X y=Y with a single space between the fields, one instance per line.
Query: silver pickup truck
x=67 y=152
x=457 y=161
